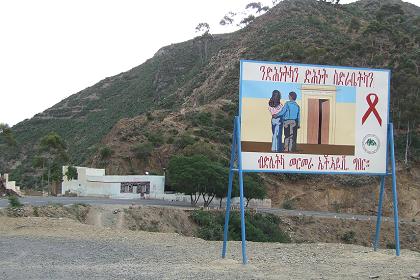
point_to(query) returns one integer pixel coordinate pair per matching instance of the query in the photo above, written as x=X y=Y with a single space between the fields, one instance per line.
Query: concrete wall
x=263 y=203
x=11 y=185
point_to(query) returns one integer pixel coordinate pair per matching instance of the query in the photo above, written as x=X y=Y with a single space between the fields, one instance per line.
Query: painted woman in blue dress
x=274 y=106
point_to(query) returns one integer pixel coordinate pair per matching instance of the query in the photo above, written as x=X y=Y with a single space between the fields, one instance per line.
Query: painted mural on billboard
x=313 y=118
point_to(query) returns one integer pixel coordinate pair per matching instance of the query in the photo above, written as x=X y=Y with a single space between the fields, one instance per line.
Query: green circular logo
x=371 y=143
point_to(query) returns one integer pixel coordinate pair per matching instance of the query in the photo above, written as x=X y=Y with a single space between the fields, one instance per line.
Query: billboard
x=313 y=118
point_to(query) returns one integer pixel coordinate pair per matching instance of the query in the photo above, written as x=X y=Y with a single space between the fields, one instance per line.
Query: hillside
x=183 y=99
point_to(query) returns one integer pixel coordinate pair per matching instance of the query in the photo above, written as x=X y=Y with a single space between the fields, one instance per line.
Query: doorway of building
x=318 y=121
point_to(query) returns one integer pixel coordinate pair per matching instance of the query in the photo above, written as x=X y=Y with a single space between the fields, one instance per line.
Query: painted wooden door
x=313 y=121
x=325 y=121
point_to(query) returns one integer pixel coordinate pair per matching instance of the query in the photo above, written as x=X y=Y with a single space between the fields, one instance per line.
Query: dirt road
x=46 y=248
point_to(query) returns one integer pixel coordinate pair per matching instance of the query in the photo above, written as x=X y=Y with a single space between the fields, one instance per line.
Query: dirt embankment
x=176 y=220
x=331 y=230
x=76 y=212
x=143 y=218
x=50 y=248
x=139 y=218
x=346 y=194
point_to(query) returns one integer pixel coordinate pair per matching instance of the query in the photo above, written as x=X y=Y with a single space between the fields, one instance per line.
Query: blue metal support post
x=379 y=217
x=394 y=188
x=241 y=190
x=229 y=195
x=390 y=146
x=236 y=151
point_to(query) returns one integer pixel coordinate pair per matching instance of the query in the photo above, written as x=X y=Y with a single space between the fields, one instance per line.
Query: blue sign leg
x=394 y=189
x=226 y=227
x=229 y=195
x=241 y=192
x=379 y=217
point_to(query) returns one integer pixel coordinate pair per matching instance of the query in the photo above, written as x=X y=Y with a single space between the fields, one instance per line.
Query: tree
x=223 y=191
x=197 y=176
x=71 y=173
x=199 y=148
x=330 y=1
x=354 y=25
x=52 y=155
x=257 y=6
x=203 y=28
x=219 y=181
x=6 y=133
x=247 y=20
x=254 y=188
x=390 y=12
x=227 y=19
x=203 y=40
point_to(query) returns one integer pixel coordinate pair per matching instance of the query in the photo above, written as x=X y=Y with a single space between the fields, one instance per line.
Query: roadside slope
x=88 y=252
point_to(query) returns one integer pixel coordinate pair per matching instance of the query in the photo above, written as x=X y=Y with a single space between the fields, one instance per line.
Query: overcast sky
x=51 y=49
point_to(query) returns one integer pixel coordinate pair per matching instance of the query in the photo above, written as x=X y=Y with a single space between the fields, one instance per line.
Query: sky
x=52 y=49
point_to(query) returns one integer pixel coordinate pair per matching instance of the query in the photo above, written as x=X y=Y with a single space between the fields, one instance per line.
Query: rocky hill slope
x=184 y=98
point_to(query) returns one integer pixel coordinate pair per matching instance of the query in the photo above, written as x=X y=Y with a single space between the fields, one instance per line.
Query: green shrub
x=259 y=227
x=155 y=139
x=390 y=245
x=142 y=151
x=204 y=119
x=209 y=227
x=184 y=141
x=105 y=152
x=35 y=211
x=288 y=204
x=14 y=202
x=349 y=237
x=149 y=116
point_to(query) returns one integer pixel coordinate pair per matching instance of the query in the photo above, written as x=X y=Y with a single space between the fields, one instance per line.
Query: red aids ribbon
x=372 y=109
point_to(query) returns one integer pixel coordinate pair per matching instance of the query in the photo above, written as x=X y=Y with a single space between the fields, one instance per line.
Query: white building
x=11 y=185
x=94 y=182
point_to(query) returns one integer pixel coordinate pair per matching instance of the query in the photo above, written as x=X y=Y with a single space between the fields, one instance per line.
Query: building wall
x=11 y=185
x=94 y=182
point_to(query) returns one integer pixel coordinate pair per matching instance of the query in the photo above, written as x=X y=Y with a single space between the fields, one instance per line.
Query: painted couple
x=286 y=117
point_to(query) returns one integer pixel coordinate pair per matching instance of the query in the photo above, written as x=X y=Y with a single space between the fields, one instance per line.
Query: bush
x=155 y=139
x=149 y=116
x=204 y=149
x=209 y=227
x=14 y=202
x=288 y=204
x=349 y=237
x=184 y=141
x=35 y=211
x=259 y=227
x=390 y=245
x=142 y=151
x=105 y=152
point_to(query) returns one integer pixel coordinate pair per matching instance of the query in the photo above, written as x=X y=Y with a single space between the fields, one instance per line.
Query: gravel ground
x=46 y=248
